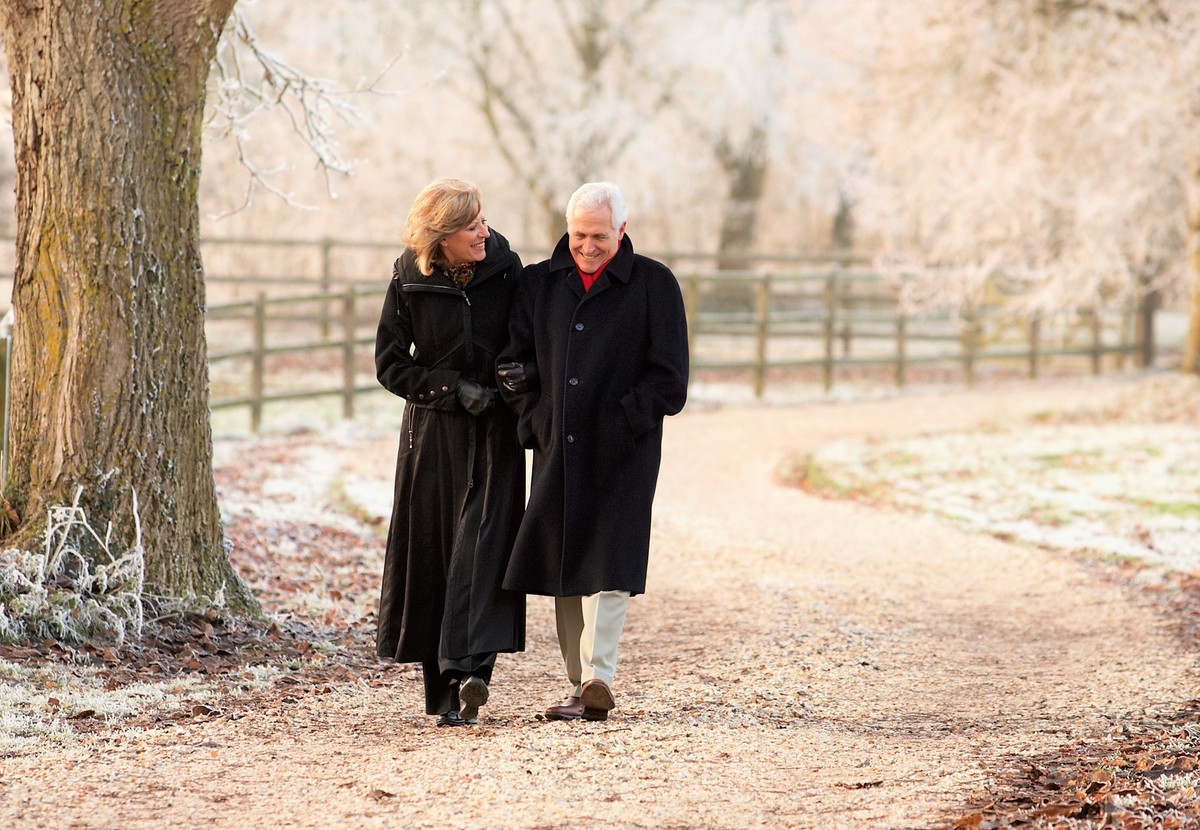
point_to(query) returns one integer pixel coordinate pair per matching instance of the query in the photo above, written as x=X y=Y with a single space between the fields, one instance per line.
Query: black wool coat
x=612 y=363
x=460 y=479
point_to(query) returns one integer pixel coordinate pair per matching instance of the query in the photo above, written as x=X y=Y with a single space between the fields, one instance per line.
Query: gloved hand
x=474 y=398
x=517 y=377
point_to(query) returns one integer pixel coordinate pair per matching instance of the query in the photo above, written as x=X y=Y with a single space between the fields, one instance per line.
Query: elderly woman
x=460 y=473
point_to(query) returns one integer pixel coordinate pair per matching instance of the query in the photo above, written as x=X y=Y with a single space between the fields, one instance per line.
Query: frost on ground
x=796 y=662
x=1122 y=483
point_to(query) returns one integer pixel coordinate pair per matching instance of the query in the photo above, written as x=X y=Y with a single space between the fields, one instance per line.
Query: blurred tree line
x=1050 y=141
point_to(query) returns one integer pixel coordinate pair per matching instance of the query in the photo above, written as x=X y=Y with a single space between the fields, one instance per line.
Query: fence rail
x=297 y=320
x=346 y=340
x=756 y=323
x=842 y=319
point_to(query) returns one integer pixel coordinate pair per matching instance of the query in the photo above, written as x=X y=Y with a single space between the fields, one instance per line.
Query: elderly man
x=598 y=356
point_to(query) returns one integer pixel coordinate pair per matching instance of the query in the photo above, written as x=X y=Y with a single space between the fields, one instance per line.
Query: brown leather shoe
x=569 y=709
x=597 y=700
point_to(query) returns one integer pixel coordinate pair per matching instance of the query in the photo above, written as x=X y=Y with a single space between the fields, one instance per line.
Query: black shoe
x=451 y=718
x=473 y=693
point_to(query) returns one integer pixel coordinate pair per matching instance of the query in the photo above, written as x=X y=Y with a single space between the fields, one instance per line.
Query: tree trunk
x=747 y=171
x=841 y=236
x=109 y=366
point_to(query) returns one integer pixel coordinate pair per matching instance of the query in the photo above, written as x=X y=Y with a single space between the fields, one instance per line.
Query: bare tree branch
x=312 y=106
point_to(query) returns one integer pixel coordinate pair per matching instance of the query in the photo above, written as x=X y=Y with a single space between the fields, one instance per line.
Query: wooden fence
x=844 y=318
x=295 y=319
x=323 y=325
x=272 y=349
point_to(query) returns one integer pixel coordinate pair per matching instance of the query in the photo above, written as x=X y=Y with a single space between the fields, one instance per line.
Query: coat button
x=574 y=381
x=445 y=388
x=422 y=397
x=570 y=439
x=579 y=327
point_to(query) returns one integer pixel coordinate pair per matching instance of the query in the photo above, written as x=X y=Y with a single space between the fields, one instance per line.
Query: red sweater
x=588 y=279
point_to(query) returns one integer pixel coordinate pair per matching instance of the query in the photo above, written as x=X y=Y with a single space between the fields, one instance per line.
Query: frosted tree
x=1048 y=140
x=691 y=99
x=553 y=82
x=731 y=93
x=110 y=386
x=254 y=89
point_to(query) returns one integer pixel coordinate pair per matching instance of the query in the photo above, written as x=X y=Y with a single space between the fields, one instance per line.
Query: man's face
x=592 y=239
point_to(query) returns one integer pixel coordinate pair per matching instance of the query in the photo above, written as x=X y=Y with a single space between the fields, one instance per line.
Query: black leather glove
x=474 y=398
x=517 y=377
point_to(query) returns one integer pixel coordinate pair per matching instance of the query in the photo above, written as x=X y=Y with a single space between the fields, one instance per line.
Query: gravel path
x=796 y=662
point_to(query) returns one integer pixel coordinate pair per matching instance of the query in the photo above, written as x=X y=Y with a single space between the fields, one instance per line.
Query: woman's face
x=466 y=245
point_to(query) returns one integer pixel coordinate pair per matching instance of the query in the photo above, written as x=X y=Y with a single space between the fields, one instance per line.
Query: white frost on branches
x=251 y=81
x=1044 y=139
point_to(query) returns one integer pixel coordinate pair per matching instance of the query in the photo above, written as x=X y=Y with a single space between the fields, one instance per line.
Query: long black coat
x=460 y=479
x=612 y=363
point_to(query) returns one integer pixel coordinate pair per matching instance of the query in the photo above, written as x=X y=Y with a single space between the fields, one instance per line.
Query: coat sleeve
x=662 y=389
x=395 y=367
x=520 y=349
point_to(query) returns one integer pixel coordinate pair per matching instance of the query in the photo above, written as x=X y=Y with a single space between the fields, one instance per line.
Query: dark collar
x=620 y=267
x=497 y=257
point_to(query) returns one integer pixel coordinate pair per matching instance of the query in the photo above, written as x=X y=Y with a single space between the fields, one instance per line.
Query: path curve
x=796 y=662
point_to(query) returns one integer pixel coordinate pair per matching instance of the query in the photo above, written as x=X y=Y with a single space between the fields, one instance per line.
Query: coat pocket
x=615 y=436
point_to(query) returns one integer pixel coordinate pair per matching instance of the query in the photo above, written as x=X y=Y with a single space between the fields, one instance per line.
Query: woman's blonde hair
x=443 y=207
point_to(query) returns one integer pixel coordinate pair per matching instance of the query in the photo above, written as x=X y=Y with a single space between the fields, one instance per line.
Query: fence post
x=901 y=349
x=762 y=319
x=326 y=286
x=1097 y=340
x=970 y=343
x=258 y=361
x=1145 y=329
x=348 y=331
x=830 y=299
x=846 y=304
x=1035 y=330
x=691 y=308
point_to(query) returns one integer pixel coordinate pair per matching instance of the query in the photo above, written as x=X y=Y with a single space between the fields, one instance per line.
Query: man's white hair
x=594 y=195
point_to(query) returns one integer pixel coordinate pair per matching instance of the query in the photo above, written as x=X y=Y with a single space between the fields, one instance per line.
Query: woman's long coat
x=460 y=478
x=612 y=363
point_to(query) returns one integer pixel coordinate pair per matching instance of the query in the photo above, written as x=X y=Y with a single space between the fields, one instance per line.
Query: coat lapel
x=620 y=269
x=563 y=267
